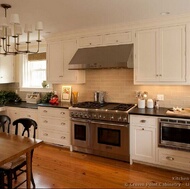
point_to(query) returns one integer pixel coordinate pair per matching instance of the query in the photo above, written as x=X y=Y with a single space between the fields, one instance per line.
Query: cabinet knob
x=143 y=129
x=45 y=111
x=62 y=113
x=169 y=158
x=143 y=121
x=63 y=137
x=62 y=123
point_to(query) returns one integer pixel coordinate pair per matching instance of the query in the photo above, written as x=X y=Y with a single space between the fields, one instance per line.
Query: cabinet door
x=55 y=62
x=71 y=76
x=143 y=144
x=172 y=54
x=7 y=74
x=117 y=38
x=146 y=60
x=91 y=41
x=13 y=113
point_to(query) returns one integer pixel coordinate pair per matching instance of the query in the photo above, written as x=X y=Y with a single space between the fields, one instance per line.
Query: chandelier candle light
x=6 y=33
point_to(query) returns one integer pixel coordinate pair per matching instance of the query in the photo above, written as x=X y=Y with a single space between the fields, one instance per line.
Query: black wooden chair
x=5 y=122
x=15 y=168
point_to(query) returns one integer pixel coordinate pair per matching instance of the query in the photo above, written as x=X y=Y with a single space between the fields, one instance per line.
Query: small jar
x=150 y=103
x=141 y=103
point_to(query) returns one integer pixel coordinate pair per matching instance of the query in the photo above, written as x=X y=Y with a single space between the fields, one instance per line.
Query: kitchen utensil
x=99 y=96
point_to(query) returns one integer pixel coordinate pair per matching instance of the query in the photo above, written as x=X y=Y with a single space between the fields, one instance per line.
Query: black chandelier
x=14 y=30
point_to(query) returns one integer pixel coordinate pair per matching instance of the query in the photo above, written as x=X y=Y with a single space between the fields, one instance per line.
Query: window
x=33 y=70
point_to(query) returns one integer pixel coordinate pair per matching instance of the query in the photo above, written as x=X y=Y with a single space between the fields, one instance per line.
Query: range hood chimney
x=117 y=56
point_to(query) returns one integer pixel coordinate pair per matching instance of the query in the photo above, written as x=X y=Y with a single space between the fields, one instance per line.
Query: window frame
x=30 y=89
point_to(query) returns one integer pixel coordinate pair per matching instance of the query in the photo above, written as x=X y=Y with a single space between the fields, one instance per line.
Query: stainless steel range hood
x=117 y=56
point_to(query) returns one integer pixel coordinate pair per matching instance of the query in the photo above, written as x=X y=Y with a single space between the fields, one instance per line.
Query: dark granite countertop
x=161 y=112
x=65 y=105
x=23 y=104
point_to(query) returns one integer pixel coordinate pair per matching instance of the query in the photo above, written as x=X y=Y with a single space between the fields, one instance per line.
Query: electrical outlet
x=160 y=97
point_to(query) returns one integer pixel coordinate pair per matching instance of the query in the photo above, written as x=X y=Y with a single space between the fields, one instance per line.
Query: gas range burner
x=89 y=105
x=115 y=112
x=123 y=107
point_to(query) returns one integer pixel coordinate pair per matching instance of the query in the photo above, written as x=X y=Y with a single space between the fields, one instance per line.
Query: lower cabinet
x=54 y=125
x=16 y=113
x=143 y=131
x=174 y=159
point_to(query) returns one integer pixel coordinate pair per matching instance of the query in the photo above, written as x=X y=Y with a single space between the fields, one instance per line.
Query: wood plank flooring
x=56 y=167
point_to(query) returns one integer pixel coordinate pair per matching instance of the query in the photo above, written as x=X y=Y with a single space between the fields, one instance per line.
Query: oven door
x=174 y=135
x=80 y=133
x=111 y=138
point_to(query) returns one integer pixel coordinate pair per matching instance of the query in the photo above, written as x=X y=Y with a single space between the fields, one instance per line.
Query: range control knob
x=125 y=119
x=119 y=118
x=112 y=117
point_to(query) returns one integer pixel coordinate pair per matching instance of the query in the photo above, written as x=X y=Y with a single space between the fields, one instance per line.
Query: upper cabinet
x=105 y=39
x=59 y=54
x=7 y=71
x=160 y=55
x=118 y=38
x=90 y=41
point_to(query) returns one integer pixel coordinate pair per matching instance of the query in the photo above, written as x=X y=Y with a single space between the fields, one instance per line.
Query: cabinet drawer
x=143 y=120
x=55 y=112
x=174 y=159
x=118 y=38
x=58 y=124
x=32 y=114
x=55 y=137
x=90 y=41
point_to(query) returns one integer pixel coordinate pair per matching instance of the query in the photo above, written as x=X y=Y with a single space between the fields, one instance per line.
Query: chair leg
x=9 y=179
x=1 y=179
x=32 y=180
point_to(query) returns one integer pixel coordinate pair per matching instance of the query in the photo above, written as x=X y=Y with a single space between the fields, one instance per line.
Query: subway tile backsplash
x=119 y=87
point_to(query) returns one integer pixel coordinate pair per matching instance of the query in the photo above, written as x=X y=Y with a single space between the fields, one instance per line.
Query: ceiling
x=70 y=15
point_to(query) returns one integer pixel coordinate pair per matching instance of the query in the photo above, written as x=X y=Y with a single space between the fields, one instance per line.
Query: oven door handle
x=107 y=123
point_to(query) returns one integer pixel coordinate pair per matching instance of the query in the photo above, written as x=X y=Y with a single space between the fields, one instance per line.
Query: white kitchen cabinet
x=16 y=113
x=54 y=125
x=90 y=41
x=117 y=38
x=59 y=55
x=32 y=114
x=55 y=62
x=174 y=159
x=13 y=113
x=143 y=131
x=71 y=76
x=160 y=55
x=7 y=73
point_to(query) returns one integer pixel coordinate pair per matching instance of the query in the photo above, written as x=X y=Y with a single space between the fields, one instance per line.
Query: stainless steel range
x=101 y=129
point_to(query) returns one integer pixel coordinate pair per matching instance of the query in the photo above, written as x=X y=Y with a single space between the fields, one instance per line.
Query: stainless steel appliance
x=174 y=133
x=101 y=129
x=99 y=96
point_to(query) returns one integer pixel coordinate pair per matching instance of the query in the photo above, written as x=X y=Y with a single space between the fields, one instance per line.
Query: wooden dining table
x=13 y=146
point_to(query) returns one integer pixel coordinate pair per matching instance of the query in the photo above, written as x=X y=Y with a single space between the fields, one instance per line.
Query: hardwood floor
x=56 y=167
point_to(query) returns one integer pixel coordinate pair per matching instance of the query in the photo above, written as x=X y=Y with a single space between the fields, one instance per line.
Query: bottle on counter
x=157 y=104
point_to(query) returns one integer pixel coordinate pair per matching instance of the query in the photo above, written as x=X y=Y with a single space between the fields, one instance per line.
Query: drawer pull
x=29 y=115
x=143 y=121
x=169 y=158
x=62 y=113
x=45 y=111
x=45 y=134
x=62 y=123
x=143 y=129
x=45 y=121
x=63 y=137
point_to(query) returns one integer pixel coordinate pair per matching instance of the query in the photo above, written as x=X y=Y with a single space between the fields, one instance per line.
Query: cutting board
x=184 y=112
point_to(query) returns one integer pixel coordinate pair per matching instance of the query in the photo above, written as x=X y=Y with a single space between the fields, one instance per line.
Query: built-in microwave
x=174 y=133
